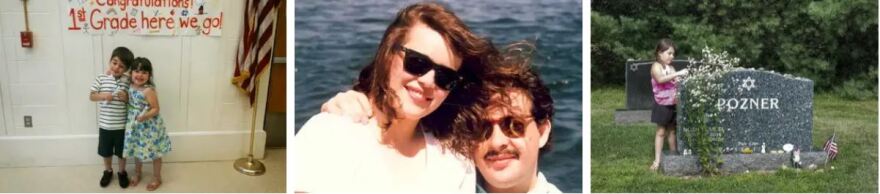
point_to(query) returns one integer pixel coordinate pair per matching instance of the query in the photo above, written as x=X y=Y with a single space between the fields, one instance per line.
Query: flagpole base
x=249 y=166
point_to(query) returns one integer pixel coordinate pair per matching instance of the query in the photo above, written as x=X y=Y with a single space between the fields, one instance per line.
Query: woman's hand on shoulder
x=352 y=104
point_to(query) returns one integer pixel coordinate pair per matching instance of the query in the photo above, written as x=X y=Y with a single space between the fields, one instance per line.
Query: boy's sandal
x=154 y=185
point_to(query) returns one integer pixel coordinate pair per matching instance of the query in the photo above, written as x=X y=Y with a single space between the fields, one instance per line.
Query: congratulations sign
x=146 y=17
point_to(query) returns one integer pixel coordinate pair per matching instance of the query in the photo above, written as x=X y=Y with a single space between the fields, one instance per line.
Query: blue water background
x=335 y=39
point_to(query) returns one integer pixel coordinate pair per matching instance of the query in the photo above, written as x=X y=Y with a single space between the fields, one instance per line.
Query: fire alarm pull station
x=27 y=37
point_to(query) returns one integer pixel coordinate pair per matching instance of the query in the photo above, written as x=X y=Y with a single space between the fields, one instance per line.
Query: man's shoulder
x=545 y=186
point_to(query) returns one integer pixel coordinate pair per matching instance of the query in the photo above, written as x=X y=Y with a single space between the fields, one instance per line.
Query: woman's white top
x=334 y=154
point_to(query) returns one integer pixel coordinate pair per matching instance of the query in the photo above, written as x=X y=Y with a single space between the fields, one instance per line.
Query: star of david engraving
x=748 y=83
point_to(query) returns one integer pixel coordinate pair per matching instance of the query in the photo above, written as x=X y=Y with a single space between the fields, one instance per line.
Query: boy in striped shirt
x=110 y=91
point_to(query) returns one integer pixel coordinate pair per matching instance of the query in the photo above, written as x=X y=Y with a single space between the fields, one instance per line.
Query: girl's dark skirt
x=663 y=114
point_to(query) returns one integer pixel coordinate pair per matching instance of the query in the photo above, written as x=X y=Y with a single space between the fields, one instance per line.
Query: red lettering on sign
x=99 y=25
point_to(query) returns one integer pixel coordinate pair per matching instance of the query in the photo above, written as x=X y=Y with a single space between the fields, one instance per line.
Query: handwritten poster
x=146 y=17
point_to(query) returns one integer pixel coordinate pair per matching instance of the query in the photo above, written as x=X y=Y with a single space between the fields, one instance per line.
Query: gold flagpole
x=248 y=165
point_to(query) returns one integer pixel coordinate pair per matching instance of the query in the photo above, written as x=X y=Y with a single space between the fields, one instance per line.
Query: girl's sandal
x=134 y=180
x=154 y=185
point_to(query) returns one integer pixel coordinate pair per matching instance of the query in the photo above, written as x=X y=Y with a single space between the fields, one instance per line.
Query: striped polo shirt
x=112 y=115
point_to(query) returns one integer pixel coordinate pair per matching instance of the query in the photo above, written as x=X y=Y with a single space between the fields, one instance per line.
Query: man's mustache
x=493 y=153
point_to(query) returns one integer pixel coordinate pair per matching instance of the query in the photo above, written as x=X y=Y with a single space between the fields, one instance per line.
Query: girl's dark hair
x=448 y=123
x=143 y=64
x=662 y=45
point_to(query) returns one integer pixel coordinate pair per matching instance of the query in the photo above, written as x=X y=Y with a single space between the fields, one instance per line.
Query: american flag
x=254 y=50
x=831 y=147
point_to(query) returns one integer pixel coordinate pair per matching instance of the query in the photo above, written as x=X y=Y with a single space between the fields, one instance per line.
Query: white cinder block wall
x=206 y=116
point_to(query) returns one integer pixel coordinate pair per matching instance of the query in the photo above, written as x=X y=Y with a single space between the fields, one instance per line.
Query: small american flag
x=831 y=147
x=257 y=40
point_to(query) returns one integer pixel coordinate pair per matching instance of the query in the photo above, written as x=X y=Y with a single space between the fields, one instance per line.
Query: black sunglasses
x=511 y=126
x=419 y=64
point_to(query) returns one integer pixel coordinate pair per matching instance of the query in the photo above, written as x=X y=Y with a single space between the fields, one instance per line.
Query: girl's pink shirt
x=664 y=93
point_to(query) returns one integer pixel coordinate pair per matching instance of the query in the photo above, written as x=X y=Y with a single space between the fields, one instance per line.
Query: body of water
x=335 y=39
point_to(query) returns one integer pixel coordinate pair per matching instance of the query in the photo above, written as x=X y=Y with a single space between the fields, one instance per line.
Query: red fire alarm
x=27 y=37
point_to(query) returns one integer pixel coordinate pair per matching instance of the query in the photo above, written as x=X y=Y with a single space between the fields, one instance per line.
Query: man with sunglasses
x=515 y=132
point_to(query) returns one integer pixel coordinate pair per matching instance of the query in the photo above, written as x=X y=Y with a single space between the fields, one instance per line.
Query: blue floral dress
x=145 y=140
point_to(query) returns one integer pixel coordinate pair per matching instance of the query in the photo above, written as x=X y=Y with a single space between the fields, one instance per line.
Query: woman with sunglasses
x=418 y=84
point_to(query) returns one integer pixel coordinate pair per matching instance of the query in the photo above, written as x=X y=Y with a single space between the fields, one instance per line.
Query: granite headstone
x=761 y=111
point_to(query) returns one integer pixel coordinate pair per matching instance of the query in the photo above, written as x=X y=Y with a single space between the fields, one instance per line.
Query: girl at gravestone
x=664 y=79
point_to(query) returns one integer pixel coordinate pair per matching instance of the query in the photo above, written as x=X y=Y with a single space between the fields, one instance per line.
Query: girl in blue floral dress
x=145 y=137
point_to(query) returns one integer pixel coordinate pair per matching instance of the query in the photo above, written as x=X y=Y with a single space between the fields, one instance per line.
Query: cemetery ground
x=621 y=153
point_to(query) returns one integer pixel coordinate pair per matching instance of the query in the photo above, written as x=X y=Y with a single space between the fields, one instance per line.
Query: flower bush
x=699 y=92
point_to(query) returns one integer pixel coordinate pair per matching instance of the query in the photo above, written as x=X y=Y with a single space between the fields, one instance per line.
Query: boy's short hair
x=124 y=55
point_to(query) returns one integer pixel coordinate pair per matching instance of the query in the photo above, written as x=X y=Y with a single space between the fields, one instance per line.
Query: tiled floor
x=214 y=176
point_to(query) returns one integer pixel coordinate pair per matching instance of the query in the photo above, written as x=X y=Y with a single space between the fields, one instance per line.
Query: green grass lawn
x=622 y=153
